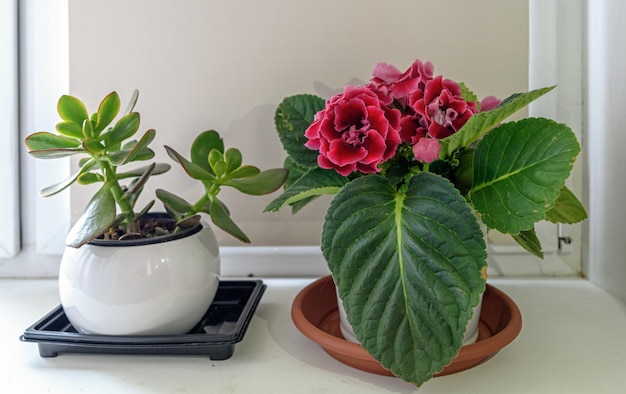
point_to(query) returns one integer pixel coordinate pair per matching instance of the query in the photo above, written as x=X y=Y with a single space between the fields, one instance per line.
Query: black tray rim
x=31 y=334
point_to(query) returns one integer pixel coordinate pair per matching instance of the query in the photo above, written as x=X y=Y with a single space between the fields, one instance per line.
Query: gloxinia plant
x=107 y=147
x=415 y=162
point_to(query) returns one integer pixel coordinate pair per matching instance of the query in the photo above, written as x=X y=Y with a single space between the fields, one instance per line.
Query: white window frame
x=42 y=28
x=9 y=198
x=555 y=42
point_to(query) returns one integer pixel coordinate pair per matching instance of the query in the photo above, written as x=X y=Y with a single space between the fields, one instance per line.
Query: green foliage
x=519 y=171
x=101 y=141
x=108 y=145
x=407 y=264
x=292 y=118
x=404 y=246
x=215 y=168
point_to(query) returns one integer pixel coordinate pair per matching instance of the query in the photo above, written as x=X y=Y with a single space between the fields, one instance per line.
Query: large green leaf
x=313 y=183
x=519 y=170
x=408 y=268
x=567 y=209
x=479 y=124
x=293 y=116
x=98 y=216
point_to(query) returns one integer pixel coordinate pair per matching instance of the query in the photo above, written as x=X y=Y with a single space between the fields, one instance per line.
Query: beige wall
x=226 y=64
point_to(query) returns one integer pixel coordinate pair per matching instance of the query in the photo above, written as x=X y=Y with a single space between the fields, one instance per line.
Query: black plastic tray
x=223 y=325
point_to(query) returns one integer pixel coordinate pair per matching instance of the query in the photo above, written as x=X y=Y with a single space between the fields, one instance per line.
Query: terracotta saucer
x=314 y=312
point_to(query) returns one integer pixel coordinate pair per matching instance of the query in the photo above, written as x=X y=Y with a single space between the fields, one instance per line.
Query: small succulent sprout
x=215 y=167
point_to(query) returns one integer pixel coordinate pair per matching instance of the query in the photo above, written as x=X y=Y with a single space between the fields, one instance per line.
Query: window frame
x=44 y=31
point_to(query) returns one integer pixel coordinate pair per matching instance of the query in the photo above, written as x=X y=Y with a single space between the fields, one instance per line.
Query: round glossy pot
x=157 y=286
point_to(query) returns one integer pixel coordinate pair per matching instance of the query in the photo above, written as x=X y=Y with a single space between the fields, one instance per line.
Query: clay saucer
x=314 y=312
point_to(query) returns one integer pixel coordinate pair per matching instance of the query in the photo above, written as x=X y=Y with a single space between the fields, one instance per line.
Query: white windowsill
x=571 y=342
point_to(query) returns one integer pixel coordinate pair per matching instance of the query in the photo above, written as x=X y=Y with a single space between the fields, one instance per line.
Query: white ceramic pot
x=471 y=332
x=150 y=288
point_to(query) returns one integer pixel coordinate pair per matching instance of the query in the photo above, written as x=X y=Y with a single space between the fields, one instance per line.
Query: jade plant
x=109 y=145
x=414 y=163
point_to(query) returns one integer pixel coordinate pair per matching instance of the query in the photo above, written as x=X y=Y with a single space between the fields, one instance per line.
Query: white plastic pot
x=161 y=286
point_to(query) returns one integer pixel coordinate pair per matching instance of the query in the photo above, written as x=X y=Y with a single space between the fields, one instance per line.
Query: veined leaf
x=529 y=241
x=519 y=170
x=479 y=124
x=293 y=116
x=567 y=209
x=315 y=182
x=406 y=265
x=265 y=182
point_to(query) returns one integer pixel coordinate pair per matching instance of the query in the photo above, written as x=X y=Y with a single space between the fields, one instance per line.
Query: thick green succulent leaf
x=204 y=143
x=89 y=178
x=313 y=183
x=233 y=159
x=567 y=208
x=529 y=241
x=44 y=141
x=193 y=170
x=159 y=168
x=479 y=124
x=173 y=202
x=221 y=218
x=265 y=182
x=88 y=130
x=70 y=129
x=107 y=111
x=125 y=128
x=407 y=264
x=140 y=182
x=72 y=109
x=244 y=172
x=93 y=146
x=140 y=150
x=98 y=217
x=293 y=116
x=132 y=102
x=519 y=170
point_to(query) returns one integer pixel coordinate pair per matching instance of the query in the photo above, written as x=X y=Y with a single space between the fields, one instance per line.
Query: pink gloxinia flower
x=427 y=150
x=401 y=85
x=489 y=103
x=442 y=106
x=354 y=132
